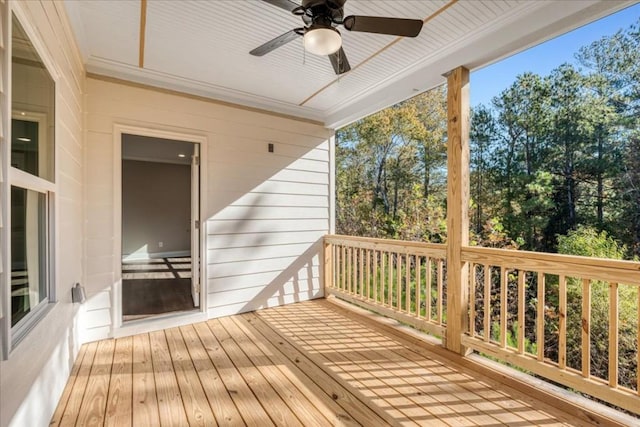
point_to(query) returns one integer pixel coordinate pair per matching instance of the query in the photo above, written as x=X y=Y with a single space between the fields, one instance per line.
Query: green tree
x=391 y=171
x=587 y=241
x=482 y=140
x=631 y=195
x=523 y=119
x=614 y=63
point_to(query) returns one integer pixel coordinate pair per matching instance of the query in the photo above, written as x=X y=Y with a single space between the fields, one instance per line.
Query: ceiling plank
x=143 y=29
x=396 y=40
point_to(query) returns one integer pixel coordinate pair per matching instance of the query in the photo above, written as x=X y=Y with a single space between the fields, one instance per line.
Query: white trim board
x=117 y=326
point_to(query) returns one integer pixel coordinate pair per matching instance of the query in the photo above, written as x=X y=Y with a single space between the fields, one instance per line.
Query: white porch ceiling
x=202 y=48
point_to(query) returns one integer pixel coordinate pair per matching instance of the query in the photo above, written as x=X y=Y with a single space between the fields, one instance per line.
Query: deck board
x=145 y=410
x=271 y=401
x=193 y=396
x=170 y=406
x=220 y=401
x=312 y=363
x=248 y=405
x=94 y=402
x=302 y=407
x=71 y=382
x=121 y=385
x=348 y=409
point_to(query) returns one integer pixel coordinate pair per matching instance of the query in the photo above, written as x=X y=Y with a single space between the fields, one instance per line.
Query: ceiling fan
x=320 y=35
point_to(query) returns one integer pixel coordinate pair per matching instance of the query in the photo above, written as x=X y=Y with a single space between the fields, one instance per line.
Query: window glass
x=28 y=251
x=33 y=92
x=24 y=145
x=32 y=152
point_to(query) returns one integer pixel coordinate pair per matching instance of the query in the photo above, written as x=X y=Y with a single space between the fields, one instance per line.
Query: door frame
x=170 y=319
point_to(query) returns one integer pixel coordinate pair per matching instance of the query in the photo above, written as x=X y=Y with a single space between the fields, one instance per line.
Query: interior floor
x=156 y=286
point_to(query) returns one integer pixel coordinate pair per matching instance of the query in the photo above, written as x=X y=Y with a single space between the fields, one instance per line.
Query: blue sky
x=491 y=80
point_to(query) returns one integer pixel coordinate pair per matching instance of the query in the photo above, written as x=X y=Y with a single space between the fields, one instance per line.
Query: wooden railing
x=569 y=319
x=559 y=317
x=401 y=280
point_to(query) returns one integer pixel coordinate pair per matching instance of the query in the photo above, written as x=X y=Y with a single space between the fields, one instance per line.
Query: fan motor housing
x=316 y=9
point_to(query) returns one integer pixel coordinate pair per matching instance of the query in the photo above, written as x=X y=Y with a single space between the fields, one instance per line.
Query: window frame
x=11 y=336
x=24 y=325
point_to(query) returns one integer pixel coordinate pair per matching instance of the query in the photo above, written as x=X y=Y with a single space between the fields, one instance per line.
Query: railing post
x=457 y=207
x=328 y=265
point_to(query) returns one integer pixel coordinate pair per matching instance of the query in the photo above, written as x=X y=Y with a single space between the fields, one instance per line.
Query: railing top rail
x=410 y=247
x=627 y=272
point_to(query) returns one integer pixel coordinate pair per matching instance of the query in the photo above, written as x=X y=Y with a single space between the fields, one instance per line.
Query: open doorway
x=160 y=243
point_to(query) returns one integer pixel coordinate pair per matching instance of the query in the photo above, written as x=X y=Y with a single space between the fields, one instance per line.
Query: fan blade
x=275 y=43
x=340 y=62
x=283 y=4
x=374 y=24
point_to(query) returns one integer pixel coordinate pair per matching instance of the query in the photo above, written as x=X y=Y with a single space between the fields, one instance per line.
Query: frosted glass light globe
x=322 y=41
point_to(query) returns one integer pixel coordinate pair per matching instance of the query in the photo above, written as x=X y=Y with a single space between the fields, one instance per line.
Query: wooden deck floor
x=307 y=364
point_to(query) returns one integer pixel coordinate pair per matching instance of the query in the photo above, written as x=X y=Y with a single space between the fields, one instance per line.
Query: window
x=31 y=177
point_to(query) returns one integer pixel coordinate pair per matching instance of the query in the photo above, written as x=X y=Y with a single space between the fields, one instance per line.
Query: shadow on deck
x=307 y=364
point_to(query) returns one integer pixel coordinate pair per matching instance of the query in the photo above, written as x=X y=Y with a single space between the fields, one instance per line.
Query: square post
x=458 y=119
x=328 y=271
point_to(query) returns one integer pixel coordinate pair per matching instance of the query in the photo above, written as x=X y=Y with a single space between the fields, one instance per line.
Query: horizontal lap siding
x=32 y=379
x=265 y=213
x=263 y=240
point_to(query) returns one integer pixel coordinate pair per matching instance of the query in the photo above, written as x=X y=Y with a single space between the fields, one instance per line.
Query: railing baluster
x=399 y=282
x=419 y=284
x=352 y=271
x=382 y=276
x=472 y=300
x=638 y=347
x=337 y=265
x=335 y=283
x=343 y=272
x=562 y=322
x=439 y=291
x=390 y=283
x=361 y=272
x=354 y=264
x=407 y=285
x=428 y=287
x=613 y=335
x=374 y=255
x=368 y=276
x=504 y=279
x=586 y=328
x=487 y=302
x=349 y=268
x=521 y=305
x=540 y=316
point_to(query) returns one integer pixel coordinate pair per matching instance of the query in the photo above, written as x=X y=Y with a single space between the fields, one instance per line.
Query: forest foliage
x=550 y=153
x=555 y=167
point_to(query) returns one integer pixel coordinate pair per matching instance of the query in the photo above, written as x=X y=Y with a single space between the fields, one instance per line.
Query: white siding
x=265 y=213
x=32 y=379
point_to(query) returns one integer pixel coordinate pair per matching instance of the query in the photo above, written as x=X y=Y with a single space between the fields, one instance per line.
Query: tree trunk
x=427 y=175
x=600 y=199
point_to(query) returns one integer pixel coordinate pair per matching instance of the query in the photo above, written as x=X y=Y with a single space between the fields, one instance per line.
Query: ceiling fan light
x=322 y=41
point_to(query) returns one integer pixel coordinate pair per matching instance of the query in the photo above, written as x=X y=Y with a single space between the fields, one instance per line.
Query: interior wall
x=156 y=209
x=266 y=212
x=33 y=377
